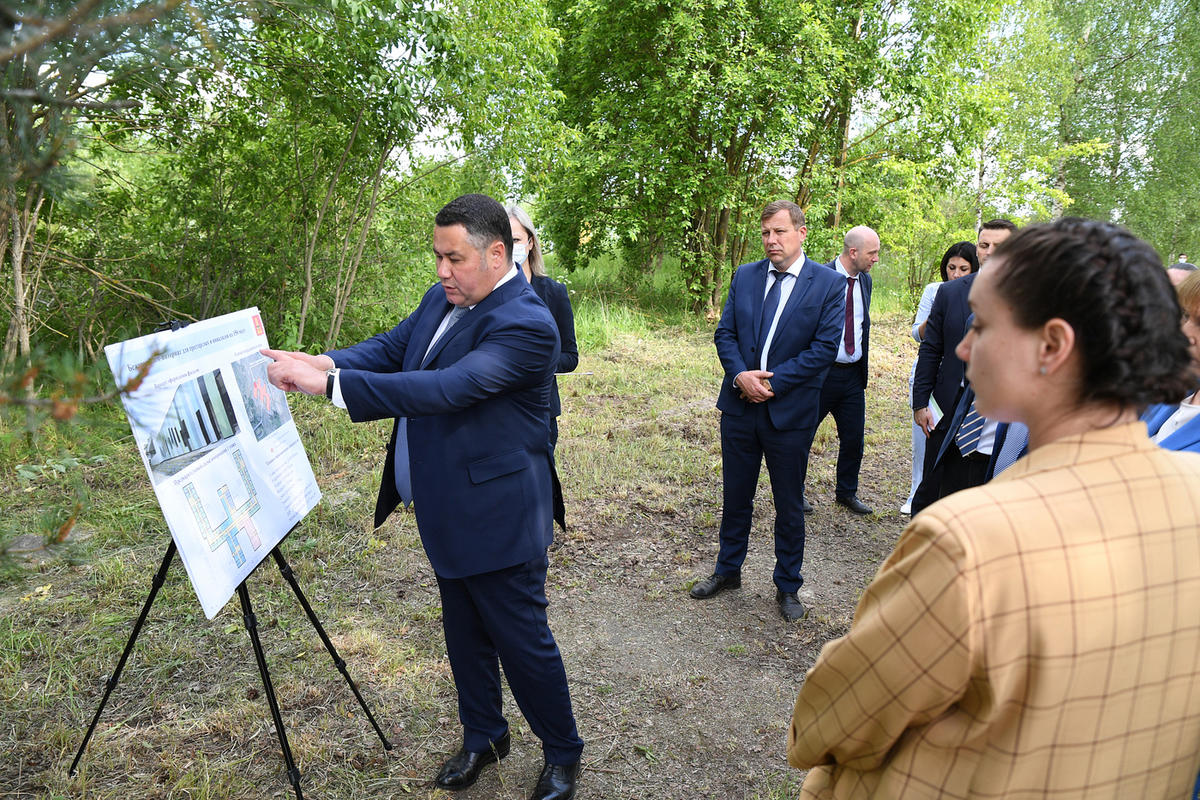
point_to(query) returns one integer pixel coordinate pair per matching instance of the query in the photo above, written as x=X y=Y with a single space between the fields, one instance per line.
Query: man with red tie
x=844 y=391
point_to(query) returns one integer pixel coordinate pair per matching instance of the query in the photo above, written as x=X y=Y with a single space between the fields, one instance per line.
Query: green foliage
x=286 y=168
x=1089 y=102
x=292 y=156
x=693 y=115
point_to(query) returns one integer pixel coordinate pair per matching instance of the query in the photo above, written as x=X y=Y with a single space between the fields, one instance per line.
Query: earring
x=1042 y=370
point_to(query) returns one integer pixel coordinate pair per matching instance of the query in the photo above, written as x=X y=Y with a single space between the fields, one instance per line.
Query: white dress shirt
x=860 y=305
x=785 y=291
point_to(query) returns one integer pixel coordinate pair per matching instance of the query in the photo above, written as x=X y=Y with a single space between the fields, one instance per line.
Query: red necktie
x=848 y=334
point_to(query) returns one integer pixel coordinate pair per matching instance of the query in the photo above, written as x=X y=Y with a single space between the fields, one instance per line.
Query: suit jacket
x=1185 y=438
x=939 y=371
x=1033 y=637
x=554 y=295
x=805 y=342
x=864 y=280
x=478 y=436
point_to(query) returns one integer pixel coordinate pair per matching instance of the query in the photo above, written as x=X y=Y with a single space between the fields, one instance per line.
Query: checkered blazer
x=1035 y=637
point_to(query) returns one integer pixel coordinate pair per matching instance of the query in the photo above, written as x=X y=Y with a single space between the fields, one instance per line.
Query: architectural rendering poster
x=219 y=444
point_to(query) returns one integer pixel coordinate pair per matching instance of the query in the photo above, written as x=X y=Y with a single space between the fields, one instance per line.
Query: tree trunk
x=343 y=300
x=22 y=225
x=720 y=253
x=833 y=220
x=314 y=234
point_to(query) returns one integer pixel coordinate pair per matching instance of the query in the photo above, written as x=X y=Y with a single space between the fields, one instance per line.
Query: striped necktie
x=970 y=430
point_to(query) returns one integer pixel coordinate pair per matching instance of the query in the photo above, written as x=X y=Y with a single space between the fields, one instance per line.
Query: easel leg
x=286 y=569
x=111 y=683
x=252 y=627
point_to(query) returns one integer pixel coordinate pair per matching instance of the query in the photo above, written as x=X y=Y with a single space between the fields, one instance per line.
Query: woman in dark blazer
x=527 y=254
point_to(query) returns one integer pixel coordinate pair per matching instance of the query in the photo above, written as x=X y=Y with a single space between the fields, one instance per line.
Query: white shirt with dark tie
x=785 y=291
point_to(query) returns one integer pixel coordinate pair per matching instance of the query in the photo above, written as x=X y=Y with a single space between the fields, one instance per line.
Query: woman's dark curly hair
x=965 y=251
x=1110 y=287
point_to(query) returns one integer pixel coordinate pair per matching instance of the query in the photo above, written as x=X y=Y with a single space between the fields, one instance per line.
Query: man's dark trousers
x=745 y=440
x=500 y=618
x=843 y=395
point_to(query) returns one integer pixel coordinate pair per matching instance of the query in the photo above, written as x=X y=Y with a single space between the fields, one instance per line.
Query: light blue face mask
x=519 y=254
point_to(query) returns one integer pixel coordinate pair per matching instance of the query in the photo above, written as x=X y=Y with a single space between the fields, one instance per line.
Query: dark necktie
x=403 y=473
x=770 y=304
x=848 y=333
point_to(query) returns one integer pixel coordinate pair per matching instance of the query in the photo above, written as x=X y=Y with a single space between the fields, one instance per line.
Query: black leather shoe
x=790 y=606
x=557 y=782
x=464 y=767
x=854 y=504
x=715 y=583
x=807 y=505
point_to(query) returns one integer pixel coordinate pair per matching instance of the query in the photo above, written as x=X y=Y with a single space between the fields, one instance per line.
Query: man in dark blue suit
x=940 y=373
x=467 y=377
x=844 y=391
x=776 y=339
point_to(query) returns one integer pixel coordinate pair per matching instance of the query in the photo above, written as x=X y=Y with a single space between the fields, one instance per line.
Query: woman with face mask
x=527 y=255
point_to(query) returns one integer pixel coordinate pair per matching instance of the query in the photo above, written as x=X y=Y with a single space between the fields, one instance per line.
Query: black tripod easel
x=248 y=617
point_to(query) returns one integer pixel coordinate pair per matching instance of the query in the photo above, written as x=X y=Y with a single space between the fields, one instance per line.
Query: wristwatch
x=330 y=379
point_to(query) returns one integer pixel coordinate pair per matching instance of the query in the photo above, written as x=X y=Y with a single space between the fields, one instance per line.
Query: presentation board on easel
x=219 y=444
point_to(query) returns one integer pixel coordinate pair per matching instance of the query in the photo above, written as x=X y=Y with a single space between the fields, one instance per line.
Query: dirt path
x=676 y=698
x=685 y=698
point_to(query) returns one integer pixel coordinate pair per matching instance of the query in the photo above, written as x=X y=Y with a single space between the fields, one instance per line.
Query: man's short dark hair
x=794 y=211
x=999 y=224
x=1182 y=265
x=485 y=220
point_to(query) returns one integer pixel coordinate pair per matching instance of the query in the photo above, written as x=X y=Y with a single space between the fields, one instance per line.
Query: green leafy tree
x=692 y=115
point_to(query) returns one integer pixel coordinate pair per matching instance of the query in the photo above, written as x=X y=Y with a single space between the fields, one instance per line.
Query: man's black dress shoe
x=807 y=505
x=854 y=504
x=557 y=782
x=464 y=767
x=715 y=583
x=790 y=606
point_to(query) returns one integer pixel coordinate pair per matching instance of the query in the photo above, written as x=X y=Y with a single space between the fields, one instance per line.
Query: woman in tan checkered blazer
x=1038 y=636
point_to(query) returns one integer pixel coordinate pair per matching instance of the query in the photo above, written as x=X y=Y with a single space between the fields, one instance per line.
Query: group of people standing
x=1036 y=631
x=954 y=447
x=1035 y=636
x=1039 y=635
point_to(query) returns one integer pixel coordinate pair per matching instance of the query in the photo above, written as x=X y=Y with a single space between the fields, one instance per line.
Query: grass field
x=674 y=697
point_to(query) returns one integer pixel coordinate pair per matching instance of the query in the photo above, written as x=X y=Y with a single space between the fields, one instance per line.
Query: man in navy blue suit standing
x=949 y=465
x=467 y=378
x=776 y=339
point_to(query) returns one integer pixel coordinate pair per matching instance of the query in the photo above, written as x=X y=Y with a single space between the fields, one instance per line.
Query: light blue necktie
x=403 y=473
x=1016 y=441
